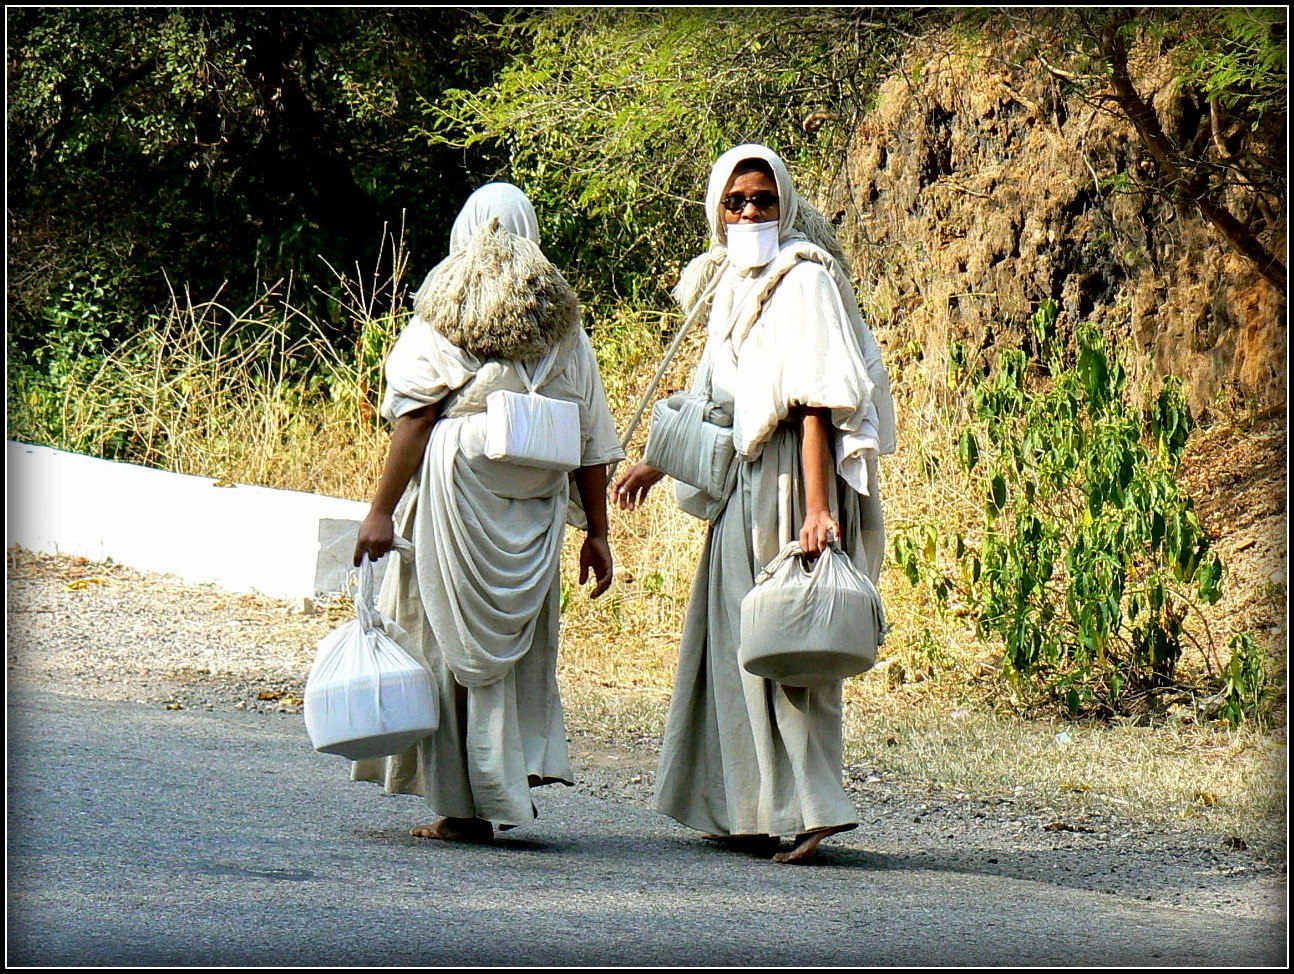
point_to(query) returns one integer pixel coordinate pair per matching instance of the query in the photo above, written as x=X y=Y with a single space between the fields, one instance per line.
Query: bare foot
x=755 y=843
x=474 y=830
x=806 y=843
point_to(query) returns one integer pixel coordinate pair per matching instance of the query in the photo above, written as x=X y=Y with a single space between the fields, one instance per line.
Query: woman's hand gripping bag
x=366 y=697
x=806 y=625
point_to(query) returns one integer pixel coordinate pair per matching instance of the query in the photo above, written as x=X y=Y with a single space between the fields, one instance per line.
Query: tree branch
x=1188 y=182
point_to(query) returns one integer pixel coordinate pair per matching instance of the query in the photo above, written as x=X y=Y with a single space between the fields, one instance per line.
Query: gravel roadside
x=107 y=632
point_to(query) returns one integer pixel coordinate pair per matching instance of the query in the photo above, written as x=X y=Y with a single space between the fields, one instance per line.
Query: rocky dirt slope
x=979 y=186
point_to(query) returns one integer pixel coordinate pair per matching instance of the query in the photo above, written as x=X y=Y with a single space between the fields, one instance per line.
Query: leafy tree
x=153 y=147
x=610 y=119
x=1224 y=155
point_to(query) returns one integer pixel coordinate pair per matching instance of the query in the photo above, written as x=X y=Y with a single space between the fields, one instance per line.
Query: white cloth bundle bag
x=533 y=430
x=807 y=625
x=366 y=697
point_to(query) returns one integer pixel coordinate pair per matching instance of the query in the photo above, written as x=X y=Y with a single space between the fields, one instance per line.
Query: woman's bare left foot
x=806 y=843
x=473 y=830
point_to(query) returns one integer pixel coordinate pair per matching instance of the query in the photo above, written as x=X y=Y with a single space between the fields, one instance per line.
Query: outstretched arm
x=595 y=555
x=408 y=444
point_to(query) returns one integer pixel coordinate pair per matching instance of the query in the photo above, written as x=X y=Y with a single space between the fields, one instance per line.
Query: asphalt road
x=140 y=836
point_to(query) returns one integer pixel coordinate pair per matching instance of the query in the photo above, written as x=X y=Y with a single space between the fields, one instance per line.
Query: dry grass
x=261 y=394
x=1202 y=777
x=215 y=391
x=1206 y=779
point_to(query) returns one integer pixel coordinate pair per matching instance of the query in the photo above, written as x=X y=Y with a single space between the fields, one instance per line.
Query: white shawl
x=790 y=333
x=503 y=201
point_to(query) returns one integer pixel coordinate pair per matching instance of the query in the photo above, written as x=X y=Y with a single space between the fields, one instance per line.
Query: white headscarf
x=798 y=220
x=502 y=200
x=789 y=200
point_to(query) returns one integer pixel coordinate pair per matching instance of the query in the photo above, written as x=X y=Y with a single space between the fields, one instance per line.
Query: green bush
x=1244 y=682
x=1090 y=554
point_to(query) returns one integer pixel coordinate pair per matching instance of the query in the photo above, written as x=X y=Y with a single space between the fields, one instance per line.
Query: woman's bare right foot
x=806 y=843
x=474 y=830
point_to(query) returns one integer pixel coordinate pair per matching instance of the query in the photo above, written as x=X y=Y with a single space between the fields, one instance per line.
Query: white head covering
x=503 y=200
x=798 y=221
x=789 y=201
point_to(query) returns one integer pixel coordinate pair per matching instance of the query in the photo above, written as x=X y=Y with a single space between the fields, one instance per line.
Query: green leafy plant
x=1241 y=61
x=220 y=148
x=610 y=120
x=1090 y=555
x=1244 y=681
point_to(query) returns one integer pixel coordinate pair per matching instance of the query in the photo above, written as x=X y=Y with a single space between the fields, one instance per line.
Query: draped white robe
x=743 y=755
x=480 y=596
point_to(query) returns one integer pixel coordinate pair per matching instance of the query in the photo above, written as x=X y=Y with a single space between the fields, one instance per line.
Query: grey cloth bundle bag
x=691 y=440
x=805 y=625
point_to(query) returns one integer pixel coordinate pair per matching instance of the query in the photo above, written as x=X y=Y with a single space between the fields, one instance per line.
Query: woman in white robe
x=744 y=759
x=478 y=597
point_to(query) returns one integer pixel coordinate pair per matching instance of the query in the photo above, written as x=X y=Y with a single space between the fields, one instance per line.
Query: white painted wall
x=285 y=544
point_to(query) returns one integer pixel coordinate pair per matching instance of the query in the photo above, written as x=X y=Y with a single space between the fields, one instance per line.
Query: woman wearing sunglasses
x=746 y=760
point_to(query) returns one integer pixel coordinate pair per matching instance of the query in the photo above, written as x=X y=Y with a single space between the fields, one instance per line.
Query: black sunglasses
x=735 y=203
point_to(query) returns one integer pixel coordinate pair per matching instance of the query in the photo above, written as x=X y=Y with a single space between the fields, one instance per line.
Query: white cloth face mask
x=752 y=244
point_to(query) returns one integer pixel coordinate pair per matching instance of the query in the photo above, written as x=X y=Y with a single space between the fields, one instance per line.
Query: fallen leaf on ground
x=1066 y=827
x=81 y=584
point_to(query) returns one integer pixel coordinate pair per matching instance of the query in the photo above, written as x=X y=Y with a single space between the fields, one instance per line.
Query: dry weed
x=263 y=396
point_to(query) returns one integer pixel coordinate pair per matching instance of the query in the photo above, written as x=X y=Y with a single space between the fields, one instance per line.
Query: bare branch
x=1215 y=129
x=1189 y=184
